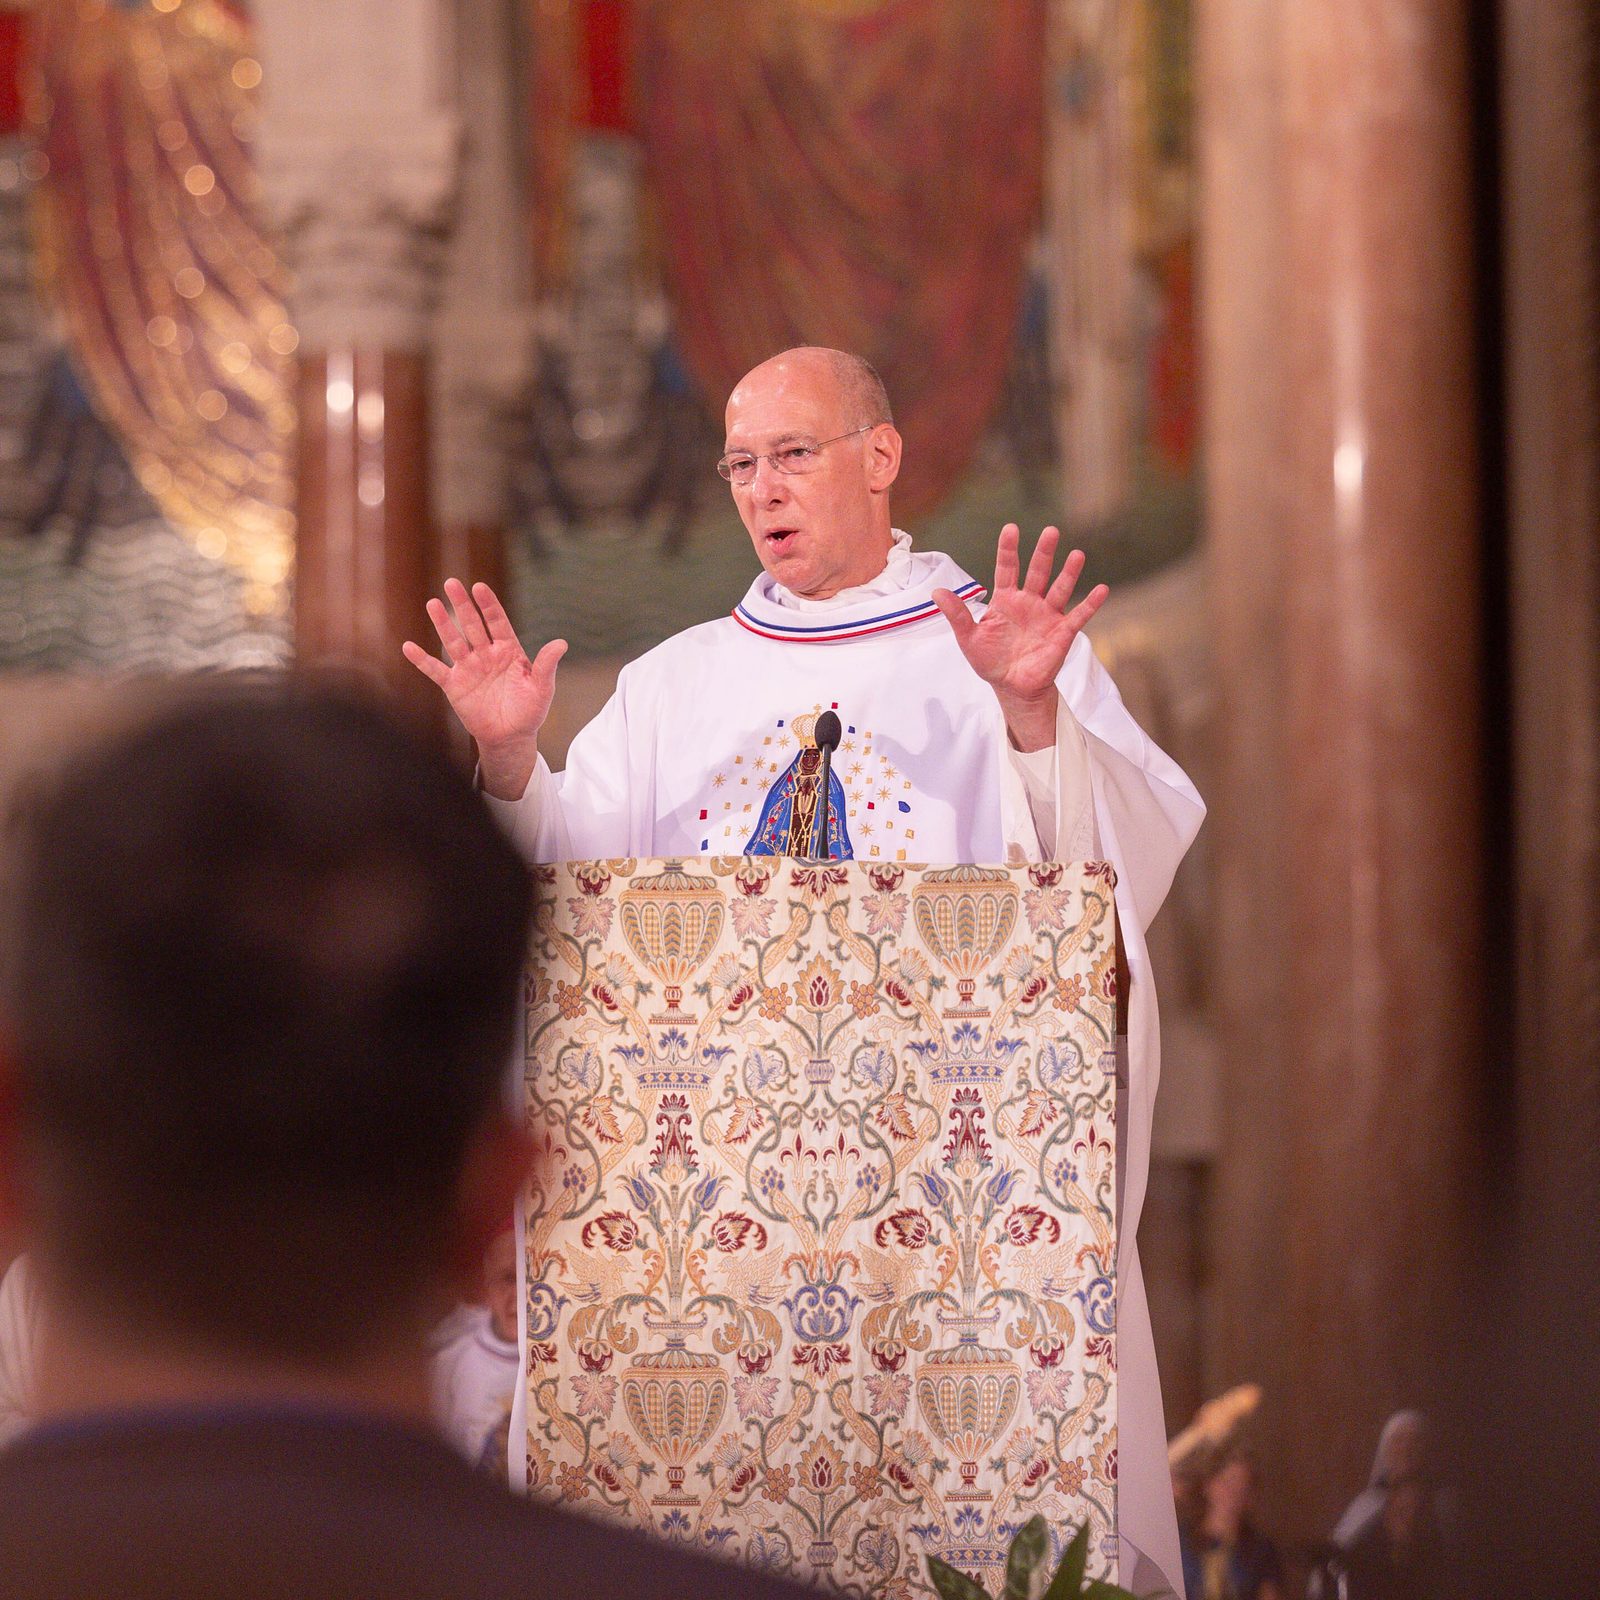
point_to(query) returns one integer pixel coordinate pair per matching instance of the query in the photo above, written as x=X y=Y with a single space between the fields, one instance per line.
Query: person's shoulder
x=577 y=1552
x=680 y=650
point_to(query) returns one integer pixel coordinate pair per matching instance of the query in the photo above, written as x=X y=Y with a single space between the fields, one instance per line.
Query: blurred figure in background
x=1391 y=1543
x=253 y=1135
x=1225 y=1556
x=475 y=1374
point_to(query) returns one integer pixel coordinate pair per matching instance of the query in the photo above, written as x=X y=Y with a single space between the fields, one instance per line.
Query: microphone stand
x=821 y=825
x=827 y=739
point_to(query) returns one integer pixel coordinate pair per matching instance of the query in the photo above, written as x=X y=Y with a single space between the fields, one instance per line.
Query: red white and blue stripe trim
x=860 y=627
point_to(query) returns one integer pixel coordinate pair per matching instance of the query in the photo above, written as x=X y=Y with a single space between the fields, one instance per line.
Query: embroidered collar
x=797 y=621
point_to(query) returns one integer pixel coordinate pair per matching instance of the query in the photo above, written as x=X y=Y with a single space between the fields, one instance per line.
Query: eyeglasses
x=741 y=467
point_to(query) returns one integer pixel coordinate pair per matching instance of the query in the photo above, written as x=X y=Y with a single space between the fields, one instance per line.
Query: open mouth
x=779 y=536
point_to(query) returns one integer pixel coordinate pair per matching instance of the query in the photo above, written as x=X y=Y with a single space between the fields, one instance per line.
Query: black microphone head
x=828 y=731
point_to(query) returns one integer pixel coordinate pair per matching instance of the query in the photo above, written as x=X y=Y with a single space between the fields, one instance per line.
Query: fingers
x=548 y=659
x=467 y=616
x=1043 y=559
x=1086 y=608
x=1005 y=558
x=494 y=615
x=445 y=626
x=955 y=611
x=428 y=666
x=1060 y=592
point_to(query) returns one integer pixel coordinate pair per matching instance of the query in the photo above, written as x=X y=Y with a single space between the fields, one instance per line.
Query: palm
x=1020 y=643
x=501 y=696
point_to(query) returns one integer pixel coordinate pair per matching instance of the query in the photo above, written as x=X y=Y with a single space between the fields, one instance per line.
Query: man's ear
x=498 y=1162
x=883 y=456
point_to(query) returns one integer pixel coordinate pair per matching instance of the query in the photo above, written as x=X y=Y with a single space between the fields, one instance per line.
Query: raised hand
x=1019 y=644
x=501 y=697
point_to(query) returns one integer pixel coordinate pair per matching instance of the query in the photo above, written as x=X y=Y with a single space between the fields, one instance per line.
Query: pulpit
x=820 y=1252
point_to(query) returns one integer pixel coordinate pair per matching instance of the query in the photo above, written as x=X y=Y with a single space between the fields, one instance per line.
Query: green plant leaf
x=1028 y=1549
x=1068 y=1581
x=952 y=1585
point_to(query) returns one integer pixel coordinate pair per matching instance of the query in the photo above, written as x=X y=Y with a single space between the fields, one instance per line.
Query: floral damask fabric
x=820 y=1257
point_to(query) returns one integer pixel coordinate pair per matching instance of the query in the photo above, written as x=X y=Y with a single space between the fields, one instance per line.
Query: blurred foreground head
x=266 y=963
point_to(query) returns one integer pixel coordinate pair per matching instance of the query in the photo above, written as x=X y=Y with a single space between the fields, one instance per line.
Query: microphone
x=826 y=734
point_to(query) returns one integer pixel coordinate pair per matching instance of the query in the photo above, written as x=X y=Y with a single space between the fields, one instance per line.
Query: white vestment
x=690 y=755
x=474 y=1377
x=19 y=1338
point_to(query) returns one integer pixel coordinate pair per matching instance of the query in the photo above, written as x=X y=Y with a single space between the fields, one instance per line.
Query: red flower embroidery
x=908 y=1227
x=733 y=1230
x=614 y=1229
x=754 y=1358
x=1027 y=1223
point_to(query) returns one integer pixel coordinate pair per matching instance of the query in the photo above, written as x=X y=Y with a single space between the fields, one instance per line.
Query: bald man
x=970 y=733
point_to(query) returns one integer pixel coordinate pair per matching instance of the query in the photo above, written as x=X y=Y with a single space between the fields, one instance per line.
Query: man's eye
x=740 y=464
x=797 y=455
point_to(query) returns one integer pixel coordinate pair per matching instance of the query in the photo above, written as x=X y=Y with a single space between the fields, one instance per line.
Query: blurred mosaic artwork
x=820 y=1262
x=146 y=434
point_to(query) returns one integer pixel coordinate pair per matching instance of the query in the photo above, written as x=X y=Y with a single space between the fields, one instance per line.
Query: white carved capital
x=363 y=211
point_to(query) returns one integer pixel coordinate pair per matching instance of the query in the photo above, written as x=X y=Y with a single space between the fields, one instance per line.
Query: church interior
x=1287 y=313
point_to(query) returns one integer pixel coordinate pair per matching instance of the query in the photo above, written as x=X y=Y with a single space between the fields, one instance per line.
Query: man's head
x=256 y=1029
x=826 y=528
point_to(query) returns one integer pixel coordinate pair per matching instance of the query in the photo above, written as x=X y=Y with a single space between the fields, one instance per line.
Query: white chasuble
x=706 y=748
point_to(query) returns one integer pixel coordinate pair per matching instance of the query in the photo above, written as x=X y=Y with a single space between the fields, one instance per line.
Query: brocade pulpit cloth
x=821 y=1246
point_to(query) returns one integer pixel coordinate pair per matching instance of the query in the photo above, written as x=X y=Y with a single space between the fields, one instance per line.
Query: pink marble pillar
x=1345 y=525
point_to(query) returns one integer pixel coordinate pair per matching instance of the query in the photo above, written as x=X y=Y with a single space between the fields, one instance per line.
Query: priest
x=968 y=732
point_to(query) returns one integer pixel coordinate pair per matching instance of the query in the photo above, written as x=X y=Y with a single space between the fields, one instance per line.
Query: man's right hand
x=501 y=697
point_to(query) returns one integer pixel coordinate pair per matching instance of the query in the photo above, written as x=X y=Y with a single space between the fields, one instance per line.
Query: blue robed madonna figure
x=787 y=826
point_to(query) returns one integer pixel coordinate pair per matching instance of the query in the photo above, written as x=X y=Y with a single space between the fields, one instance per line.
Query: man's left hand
x=1019 y=644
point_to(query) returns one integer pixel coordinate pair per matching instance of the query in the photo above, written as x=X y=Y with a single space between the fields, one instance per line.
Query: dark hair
x=263 y=994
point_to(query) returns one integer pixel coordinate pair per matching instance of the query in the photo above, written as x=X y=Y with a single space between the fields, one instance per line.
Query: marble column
x=1243 y=295
x=483 y=334
x=1548 y=1533
x=359 y=148
x=1552 y=172
x=1350 y=525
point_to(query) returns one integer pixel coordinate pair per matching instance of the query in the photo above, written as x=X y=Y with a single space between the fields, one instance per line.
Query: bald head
x=819 y=454
x=862 y=398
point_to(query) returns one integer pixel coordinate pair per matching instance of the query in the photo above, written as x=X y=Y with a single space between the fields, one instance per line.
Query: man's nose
x=768 y=485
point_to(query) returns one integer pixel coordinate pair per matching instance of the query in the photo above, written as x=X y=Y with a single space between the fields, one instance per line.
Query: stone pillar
x=1344 y=304
x=1552 y=173
x=484 y=341
x=359 y=151
x=1243 y=291
x=1545 y=1530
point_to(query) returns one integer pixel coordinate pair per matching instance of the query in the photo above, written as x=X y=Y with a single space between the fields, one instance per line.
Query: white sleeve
x=536 y=824
x=598 y=807
x=1047 y=801
x=1146 y=811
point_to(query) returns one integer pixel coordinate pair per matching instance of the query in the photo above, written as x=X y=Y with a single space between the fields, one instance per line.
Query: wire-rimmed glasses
x=740 y=466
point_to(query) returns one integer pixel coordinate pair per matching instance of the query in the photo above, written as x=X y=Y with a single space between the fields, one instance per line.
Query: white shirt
x=473 y=1379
